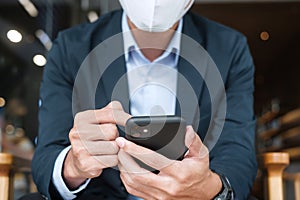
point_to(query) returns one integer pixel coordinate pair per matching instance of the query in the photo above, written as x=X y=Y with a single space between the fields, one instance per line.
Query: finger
x=106 y=161
x=115 y=105
x=93 y=132
x=96 y=148
x=88 y=167
x=195 y=145
x=108 y=115
x=119 y=115
x=102 y=116
x=128 y=163
x=147 y=156
x=91 y=166
x=130 y=185
x=189 y=136
x=130 y=167
x=142 y=185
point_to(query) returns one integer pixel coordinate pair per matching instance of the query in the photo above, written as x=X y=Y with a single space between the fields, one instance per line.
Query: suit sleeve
x=234 y=153
x=55 y=118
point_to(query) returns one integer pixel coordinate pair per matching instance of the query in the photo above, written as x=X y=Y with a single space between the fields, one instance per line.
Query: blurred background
x=28 y=27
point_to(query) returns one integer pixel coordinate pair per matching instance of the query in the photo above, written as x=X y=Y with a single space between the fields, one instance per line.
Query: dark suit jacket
x=233 y=155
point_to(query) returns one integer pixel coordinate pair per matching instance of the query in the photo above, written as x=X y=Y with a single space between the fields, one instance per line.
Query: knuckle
x=81 y=117
x=73 y=134
x=82 y=165
x=138 y=179
x=111 y=127
x=78 y=117
x=110 y=114
x=89 y=167
x=116 y=105
x=108 y=162
x=113 y=130
x=164 y=197
x=130 y=183
x=175 y=190
x=181 y=178
x=109 y=131
x=130 y=190
x=78 y=152
x=115 y=160
x=95 y=173
x=114 y=148
x=107 y=112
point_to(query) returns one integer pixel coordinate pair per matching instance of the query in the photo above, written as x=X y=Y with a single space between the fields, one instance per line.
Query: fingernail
x=190 y=135
x=121 y=142
x=186 y=153
x=191 y=131
x=189 y=127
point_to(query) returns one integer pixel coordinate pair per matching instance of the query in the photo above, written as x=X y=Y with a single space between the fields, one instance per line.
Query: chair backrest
x=274 y=164
x=6 y=161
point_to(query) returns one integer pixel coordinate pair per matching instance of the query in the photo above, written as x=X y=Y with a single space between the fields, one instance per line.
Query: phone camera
x=141 y=132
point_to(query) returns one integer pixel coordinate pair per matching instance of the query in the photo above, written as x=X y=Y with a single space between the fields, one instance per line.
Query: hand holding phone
x=163 y=134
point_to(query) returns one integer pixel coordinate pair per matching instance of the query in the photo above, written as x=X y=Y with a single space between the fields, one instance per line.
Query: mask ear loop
x=186 y=8
x=188 y=5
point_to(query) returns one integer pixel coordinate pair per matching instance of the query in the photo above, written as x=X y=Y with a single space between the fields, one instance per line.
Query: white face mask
x=155 y=15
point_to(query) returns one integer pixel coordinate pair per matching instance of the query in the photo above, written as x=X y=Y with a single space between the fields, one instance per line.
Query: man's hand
x=190 y=178
x=93 y=143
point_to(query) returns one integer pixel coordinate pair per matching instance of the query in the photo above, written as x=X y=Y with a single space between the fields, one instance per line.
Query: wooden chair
x=273 y=165
x=9 y=166
x=6 y=190
x=279 y=133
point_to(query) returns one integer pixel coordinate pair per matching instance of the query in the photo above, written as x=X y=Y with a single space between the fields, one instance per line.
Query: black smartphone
x=163 y=134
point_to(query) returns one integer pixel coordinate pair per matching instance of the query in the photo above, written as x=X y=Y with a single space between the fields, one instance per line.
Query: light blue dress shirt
x=152 y=88
x=152 y=85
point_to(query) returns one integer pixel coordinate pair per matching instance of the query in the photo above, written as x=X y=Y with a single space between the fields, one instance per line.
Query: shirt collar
x=130 y=44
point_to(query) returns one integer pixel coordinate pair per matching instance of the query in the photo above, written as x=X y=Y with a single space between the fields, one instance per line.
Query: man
x=76 y=157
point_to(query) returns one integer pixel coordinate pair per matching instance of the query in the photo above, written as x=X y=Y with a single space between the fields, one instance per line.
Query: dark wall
x=19 y=76
x=277 y=59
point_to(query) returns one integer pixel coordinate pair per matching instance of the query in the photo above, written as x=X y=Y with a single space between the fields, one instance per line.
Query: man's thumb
x=194 y=144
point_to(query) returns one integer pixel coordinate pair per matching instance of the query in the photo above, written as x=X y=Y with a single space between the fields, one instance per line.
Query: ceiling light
x=264 y=36
x=2 y=102
x=39 y=60
x=14 y=36
x=10 y=129
x=44 y=38
x=92 y=16
x=29 y=7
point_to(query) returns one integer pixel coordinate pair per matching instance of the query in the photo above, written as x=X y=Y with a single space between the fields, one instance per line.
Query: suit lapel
x=114 y=79
x=115 y=83
x=190 y=81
